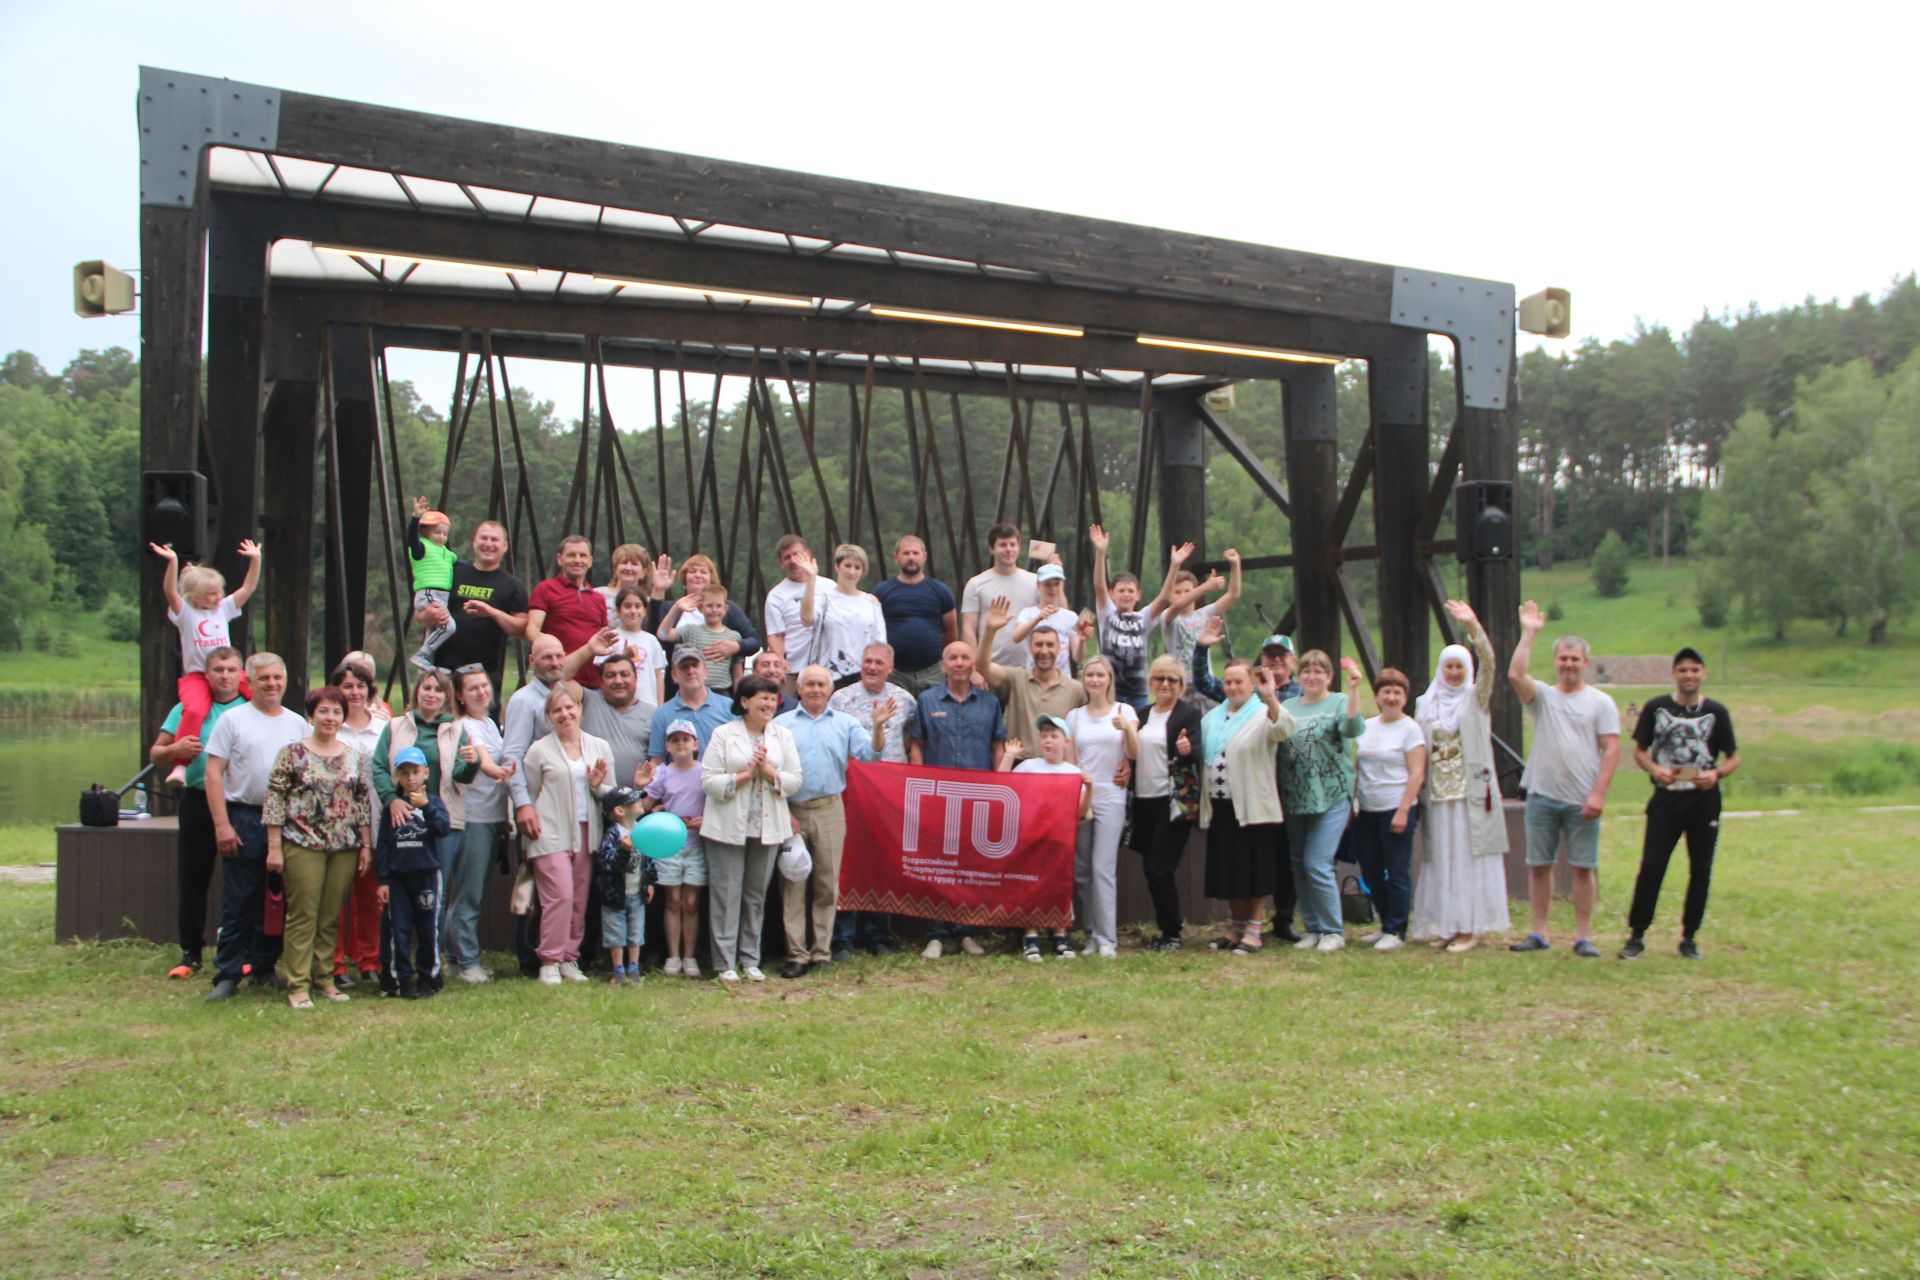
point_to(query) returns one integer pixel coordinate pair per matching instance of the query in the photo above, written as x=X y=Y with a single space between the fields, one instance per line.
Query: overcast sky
x=1657 y=160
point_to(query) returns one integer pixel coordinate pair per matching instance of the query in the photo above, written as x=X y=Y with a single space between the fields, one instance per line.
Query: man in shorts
x=1576 y=747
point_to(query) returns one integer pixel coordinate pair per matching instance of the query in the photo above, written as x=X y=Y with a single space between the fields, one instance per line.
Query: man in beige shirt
x=1027 y=693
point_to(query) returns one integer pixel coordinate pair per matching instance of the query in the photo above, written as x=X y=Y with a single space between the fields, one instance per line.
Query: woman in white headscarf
x=1461 y=893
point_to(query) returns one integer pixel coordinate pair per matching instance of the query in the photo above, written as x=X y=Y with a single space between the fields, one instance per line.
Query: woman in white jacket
x=748 y=770
x=1462 y=890
x=567 y=771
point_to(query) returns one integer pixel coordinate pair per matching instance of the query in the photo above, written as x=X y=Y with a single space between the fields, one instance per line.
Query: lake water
x=46 y=764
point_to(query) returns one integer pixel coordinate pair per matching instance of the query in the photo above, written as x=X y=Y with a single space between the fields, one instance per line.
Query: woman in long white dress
x=1461 y=892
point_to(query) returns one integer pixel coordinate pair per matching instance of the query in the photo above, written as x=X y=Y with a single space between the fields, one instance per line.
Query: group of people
x=374 y=831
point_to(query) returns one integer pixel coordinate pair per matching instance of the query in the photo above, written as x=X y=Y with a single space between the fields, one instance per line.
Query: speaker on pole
x=174 y=510
x=1483 y=520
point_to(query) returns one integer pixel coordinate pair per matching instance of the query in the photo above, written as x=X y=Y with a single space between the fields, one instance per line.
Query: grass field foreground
x=1292 y=1114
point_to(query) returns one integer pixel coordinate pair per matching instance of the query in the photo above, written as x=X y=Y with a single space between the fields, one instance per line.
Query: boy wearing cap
x=676 y=788
x=432 y=560
x=1052 y=613
x=408 y=863
x=1053 y=740
x=625 y=880
x=1680 y=740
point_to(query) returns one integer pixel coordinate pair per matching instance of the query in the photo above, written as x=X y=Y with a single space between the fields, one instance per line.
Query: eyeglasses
x=1166 y=679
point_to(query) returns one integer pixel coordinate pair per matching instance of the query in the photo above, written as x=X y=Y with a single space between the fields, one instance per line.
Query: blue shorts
x=690 y=868
x=625 y=926
x=1547 y=821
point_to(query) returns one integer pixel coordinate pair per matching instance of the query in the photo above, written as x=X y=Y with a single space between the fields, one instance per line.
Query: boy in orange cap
x=432 y=560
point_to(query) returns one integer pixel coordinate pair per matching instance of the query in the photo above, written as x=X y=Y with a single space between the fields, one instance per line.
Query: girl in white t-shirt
x=200 y=611
x=1054 y=748
x=1105 y=734
x=630 y=570
x=649 y=658
x=1388 y=774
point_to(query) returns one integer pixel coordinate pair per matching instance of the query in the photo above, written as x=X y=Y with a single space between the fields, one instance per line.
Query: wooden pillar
x=1183 y=478
x=345 y=622
x=289 y=436
x=1313 y=483
x=1490 y=451
x=1397 y=383
x=172 y=281
x=236 y=371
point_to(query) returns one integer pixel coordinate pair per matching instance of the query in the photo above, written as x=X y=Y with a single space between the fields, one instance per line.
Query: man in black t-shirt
x=1685 y=741
x=493 y=605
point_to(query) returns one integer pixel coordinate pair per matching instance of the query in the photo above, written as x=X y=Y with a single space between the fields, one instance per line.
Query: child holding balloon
x=675 y=789
x=626 y=885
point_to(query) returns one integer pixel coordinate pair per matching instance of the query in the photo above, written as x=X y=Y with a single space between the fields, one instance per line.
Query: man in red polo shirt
x=566 y=608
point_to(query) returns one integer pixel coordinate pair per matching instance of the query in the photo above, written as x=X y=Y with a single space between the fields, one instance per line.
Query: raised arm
x=809 y=611
x=1099 y=538
x=250 y=551
x=1227 y=601
x=1462 y=613
x=1176 y=558
x=598 y=645
x=1205 y=682
x=997 y=615
x=170 y=577
x=1519 y=670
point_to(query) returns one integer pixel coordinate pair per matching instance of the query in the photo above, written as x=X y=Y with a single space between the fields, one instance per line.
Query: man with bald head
x=827 y=741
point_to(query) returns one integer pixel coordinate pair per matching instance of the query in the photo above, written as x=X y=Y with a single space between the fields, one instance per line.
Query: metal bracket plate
x=181 y=115
x=1476 y=314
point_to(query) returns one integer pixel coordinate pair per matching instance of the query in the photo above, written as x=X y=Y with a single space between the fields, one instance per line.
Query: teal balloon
x=660 y=836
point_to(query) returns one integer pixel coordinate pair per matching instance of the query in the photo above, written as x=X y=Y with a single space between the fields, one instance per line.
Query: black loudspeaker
x=1483 y=520
x=173 y=507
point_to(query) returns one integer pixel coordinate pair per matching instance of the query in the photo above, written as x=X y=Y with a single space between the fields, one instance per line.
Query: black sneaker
x=1634 y=948
x=1585 y=949
x=1165 y=944
x=881 y=948
x=1283 y=933
x=409 y=990
x=343 y=979
x=224 y=989
x=1689 y=949
x=1532 y=942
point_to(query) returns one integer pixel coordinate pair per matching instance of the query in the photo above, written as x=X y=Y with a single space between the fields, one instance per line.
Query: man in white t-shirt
x=794 y=604
x=1004 y=578
x=240 y=755
x=1576 y=747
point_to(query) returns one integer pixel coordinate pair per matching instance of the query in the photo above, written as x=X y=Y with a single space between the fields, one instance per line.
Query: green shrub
x=1554 y=612
x=66 y=644
x=1884 y=769
x=1610 y=566
x=120 y=620
x=1714 y=597
x=41 y=637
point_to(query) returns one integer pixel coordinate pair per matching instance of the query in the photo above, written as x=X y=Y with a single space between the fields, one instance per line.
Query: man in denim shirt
x=956 y=726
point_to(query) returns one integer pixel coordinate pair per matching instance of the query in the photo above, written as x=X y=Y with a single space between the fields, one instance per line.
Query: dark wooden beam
x=1397 y=387
x=1313 y=480
x=354 y=429
x=699 y=189
x=1490 y=451
x=172 y=291
x=1182 y=463
x=292 y=422
x=466 y=235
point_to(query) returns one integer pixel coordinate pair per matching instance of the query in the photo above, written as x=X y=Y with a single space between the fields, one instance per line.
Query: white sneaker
x=1308 y=941
x=550 y=975
x=570 y=970
x=474 y=974
x=971 y=947
x=1331 y=942
x=1387 y=942
x=933 y=950
x=672 y=966
x=1371 y=939
x=753 y=974
x=728 y=975
x=1109 y=952
x=689 y=968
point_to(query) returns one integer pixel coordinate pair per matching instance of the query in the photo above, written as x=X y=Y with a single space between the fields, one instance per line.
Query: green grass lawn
x=1346 y=1115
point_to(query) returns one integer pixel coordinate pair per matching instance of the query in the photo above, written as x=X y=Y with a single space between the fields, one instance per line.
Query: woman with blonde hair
x=567 y=772
x=1240 y=796
x=850 y=619
x=1316 y=782
x=1166 y=792
x=1104 y=733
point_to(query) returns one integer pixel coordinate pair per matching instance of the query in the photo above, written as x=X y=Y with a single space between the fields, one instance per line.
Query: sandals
x=1226 y=943
x=334 y=994
x=300 y=1001
x=1249 y=945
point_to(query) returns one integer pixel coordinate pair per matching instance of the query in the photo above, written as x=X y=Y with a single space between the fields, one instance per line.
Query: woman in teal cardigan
x=1316 y=785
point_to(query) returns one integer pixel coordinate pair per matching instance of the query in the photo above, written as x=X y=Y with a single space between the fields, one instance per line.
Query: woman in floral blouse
x=317 y=837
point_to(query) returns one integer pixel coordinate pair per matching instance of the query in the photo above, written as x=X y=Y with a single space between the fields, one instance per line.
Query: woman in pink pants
x=567 y=771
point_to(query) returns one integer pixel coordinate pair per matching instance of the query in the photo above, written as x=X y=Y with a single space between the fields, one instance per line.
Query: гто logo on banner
x=983 y=798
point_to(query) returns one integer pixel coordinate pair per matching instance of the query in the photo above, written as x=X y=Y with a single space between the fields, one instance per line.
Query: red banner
x=960 y=844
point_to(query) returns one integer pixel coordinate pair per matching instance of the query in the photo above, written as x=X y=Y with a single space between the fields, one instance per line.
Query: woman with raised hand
x=1240 y=798
x=748 y=770
x=1105 y=733
x=1462 y=894
x=566 y=772
x=850 y=619
x=1316 y=781
x=315 y=815
x=1166 y=792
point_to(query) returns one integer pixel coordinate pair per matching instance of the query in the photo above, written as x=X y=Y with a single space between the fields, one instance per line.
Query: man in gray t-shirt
x=1004 y=578
x=1576 y=746
x=615 y=713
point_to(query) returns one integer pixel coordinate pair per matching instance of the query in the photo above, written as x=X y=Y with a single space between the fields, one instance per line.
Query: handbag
x=521 y=903
x=99 y=807
x=273 y=912
x=1356 y=905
